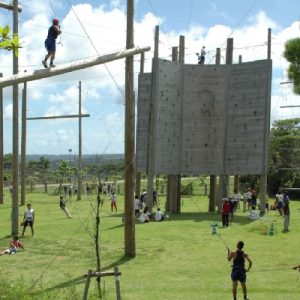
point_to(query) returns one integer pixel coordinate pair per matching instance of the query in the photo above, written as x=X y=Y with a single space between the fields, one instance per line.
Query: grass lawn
x=176 y=259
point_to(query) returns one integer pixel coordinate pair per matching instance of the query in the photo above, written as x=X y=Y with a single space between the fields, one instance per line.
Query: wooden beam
x=69 y=67
x=60 y=117
x=289 y=106
x=9 y=6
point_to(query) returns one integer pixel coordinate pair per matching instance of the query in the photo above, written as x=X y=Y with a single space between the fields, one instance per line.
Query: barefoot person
x=238 y=273
x=50 y=42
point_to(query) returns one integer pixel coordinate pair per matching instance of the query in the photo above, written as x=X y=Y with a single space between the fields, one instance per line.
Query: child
x=14 y=245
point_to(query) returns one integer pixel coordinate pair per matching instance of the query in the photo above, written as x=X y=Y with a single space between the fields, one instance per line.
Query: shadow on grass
x=82 y=279
x=207 y=216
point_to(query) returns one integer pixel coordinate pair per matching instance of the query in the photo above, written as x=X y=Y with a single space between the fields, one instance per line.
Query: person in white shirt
x=113 y=202
x=28 y=219
x=136 y=205
x=201 y=57
x=159 y=215
x=145 y=216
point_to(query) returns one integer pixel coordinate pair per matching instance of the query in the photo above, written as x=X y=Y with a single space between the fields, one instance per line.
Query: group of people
x=249 y=199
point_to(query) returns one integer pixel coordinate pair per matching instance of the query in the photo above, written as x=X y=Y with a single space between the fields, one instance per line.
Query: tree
x=292 y=54
x=284 y=155
x=7 y=42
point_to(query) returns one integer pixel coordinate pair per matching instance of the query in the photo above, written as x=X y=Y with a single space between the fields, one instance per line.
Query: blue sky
x=207 y=23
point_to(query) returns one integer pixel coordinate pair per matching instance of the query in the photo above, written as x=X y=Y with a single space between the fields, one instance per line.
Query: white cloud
x=106 y=27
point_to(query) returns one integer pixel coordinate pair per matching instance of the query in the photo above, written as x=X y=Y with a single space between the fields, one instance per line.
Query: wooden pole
x=264 y=176
x=117 y=280
x=87 y=285
x=224 y=179
x=23 y=145
x=69 y=67
x=79 y=183
x=175 y=54
x=152 y=127
x=218 y=56
x=1 y=147
x=15 y=150
x=9 y=6
x=138 y=174
x=130 y=250
x=213 y=178
x=60 y=117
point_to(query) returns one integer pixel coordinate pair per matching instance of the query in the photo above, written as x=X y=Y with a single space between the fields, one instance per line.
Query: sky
x=92 y=28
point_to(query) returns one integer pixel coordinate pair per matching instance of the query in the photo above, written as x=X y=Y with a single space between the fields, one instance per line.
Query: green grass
x=176 y=259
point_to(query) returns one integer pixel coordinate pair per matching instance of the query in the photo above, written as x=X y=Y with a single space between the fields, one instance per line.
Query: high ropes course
x=69 y=67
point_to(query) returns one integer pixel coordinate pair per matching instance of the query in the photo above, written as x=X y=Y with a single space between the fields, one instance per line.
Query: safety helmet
x=55 y=21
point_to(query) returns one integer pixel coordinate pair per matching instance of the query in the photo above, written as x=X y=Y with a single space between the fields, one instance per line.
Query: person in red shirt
x=14 y=245
x=225 y=212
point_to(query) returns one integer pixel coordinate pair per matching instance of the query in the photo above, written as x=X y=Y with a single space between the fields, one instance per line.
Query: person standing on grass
x=28 y=219
x=238 y=273
x=113 y=202
x=225 y=212
x=286 y=215
x=62 y=205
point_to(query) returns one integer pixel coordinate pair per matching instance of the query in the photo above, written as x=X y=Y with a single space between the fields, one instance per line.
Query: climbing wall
x=209 y=119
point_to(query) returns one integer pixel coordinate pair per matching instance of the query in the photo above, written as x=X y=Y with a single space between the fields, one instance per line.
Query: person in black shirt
x=50 y=43
x=238 y=273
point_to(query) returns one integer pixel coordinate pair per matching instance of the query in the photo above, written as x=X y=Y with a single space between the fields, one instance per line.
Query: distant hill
x=87 y=159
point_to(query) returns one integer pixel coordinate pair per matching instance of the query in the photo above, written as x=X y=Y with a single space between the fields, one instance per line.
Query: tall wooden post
x=213 y=178
x=23 y=145
x=173 y=203
x=264 y=176
x=224 y=179
x=1 y=147
x=129 y=138
x=15 y=150
x=152 y=127
x=138 y=174
x=175 y=54
x=79 y=183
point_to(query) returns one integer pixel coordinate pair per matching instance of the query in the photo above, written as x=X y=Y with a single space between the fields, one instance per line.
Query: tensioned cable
x=190 y=16
x=110 y=74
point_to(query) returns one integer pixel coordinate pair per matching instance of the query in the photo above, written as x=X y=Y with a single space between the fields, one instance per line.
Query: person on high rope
x=238 y=273
x=201 y=56
x=50 y=43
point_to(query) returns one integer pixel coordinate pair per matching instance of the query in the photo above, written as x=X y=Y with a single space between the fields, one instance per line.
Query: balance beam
x=69 y=67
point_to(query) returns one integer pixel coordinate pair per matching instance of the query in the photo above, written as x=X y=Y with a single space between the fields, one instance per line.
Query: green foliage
x=284 y=153
x=7 y=42
x=187 y=189
x=292 y=54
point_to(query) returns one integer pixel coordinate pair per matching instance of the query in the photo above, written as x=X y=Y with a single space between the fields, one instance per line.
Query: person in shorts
x=238 y=273
x=14 y=245
x=50 y=42
x=28 y=219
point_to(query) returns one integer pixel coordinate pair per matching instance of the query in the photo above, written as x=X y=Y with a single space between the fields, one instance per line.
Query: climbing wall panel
x=209 y=119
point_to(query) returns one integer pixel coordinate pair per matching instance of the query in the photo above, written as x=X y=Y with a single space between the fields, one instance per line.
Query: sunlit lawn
x=176 y=259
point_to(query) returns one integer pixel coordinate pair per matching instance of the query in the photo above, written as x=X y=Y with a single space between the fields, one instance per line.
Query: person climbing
x=238 y=273
x=50 y=42
x=201 y=57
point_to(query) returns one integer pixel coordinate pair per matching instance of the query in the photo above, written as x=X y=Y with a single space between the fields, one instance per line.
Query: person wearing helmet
x=50 y=42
